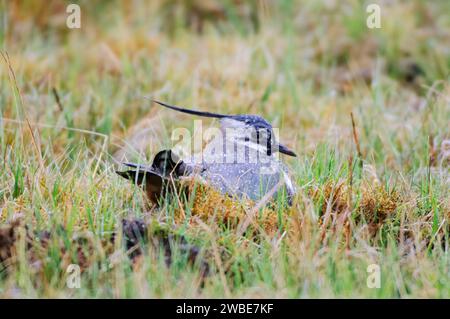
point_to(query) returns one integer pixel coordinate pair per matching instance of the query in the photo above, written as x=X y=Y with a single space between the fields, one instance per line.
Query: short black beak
x=283 y=149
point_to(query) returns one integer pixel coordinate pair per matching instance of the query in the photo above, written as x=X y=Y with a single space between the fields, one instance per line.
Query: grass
x=375 y=193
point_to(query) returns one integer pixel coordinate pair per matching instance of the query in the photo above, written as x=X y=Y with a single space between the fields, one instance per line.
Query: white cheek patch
x=230 y=123
x=237 y=130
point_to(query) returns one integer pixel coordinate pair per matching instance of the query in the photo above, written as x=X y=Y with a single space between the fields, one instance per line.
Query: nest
x=208 y=204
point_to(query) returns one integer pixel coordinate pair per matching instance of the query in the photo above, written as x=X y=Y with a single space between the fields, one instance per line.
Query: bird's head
x=254 y=129
x=250 y=129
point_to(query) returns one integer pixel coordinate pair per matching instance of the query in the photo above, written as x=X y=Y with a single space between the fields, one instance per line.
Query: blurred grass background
x=304 y=65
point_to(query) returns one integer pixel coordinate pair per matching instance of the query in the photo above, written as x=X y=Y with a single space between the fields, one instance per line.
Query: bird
x=241 y=121
x=241 y=163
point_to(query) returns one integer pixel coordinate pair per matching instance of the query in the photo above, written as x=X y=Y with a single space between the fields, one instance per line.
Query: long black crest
x=192 y=112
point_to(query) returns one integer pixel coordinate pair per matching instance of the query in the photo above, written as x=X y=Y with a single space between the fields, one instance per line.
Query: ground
x=366 y=110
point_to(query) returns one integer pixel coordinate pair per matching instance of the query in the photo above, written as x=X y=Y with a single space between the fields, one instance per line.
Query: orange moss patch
x=207 y=203
x=374 y=206
x=377 y=204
